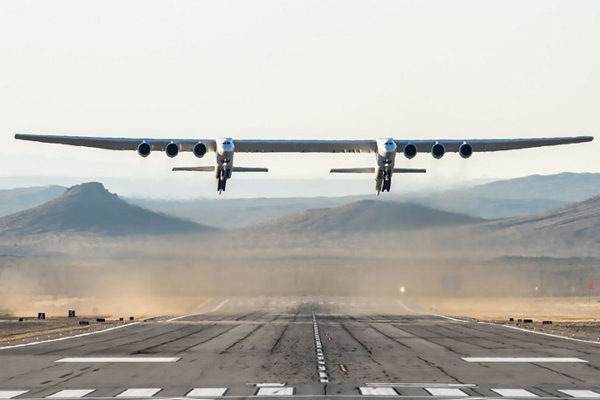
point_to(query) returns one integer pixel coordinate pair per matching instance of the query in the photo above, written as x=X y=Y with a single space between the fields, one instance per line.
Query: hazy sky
x=297 y=69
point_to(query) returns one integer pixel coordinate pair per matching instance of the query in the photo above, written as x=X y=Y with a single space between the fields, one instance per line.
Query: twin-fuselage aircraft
x=385 y=150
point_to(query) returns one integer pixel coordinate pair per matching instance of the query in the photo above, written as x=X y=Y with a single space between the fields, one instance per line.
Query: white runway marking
x=221 y=304
x=541 y=333
x=148 y=392
x=118 y=360
x=514 y=393
x=270 y=384
x=70 y=394
x=206 y=392
x=524 y=359
x=68 y=337
x=420 y=384
x=377 y=391
x=275 y=391
x=581 y=394
x=446 y=392
x=9 y=394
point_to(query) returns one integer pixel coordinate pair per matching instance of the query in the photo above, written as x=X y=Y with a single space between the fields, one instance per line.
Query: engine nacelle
x=199 y=149
x=144 y=149
x=438 y=150
x=465 y=150
x=410 y=151
x=172 y=149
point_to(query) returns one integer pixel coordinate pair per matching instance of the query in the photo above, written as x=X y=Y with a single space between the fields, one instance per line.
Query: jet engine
x=438 y=150
x=465 y=150
x=199 y=149
x=144 y=149
x=410 y=150
x=172 y=149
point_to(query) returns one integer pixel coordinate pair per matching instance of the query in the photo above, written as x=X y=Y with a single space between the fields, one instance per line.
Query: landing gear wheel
x=387 y=185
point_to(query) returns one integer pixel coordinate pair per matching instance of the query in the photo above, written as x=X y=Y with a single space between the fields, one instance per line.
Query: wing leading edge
x=483 y=145
x=305 y=146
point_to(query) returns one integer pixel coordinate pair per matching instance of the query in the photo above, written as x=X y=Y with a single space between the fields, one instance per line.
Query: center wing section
x=305 y=146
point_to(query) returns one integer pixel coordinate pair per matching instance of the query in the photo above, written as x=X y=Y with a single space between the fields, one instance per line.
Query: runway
x=299 y=347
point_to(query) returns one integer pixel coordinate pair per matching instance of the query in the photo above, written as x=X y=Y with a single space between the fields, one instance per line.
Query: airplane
x=385 y=150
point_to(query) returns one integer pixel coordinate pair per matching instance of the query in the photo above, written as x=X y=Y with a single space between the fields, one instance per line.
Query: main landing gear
x=221 y=180
x=387 y=181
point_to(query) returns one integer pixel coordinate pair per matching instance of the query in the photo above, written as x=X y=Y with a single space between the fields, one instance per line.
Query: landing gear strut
x=221 y=180
x=387 y=181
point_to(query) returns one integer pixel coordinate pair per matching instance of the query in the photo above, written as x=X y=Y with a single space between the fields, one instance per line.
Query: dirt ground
x=13 y=331
x=565 y=309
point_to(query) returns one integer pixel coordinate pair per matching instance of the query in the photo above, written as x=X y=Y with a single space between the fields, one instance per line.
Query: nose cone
x=390 y=146
x=226 y=145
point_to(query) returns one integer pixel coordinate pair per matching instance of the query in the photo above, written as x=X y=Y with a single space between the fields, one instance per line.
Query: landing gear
x=221 y=180
x=387 y=181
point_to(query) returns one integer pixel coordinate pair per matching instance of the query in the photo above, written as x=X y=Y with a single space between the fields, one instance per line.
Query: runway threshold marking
x=70 y=394
x=275 y=391
x=206 y=392
x=420 y=384
x=523 y=359
x=449 y=392
x=520 y=393
x=581 y=394
x=139 y=392
x=9 y=394
x=114 y=328
x=377 y=391
x=118 y=360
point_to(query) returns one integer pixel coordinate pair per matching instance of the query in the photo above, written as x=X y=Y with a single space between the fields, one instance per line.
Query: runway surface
x=295 y=347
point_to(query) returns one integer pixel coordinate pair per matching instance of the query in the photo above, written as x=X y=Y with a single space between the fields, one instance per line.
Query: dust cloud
x=178 y=274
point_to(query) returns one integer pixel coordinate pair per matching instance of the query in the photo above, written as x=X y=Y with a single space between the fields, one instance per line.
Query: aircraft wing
x=117 y=143
x=480 y=145
x=305 y=146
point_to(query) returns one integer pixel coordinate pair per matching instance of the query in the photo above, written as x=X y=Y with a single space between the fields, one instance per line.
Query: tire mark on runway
x=387 y=336
x=427 y=338
x=208 y=339
x=146 y=349
x=276 y=344
x=240 y=340
x=558 y=372
x=367 y=349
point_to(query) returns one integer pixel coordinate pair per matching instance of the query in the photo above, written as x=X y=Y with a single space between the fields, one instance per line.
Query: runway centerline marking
x=321 y=367
x=68 y=337
x=70 y=394
x=139 y=392
x=9 y=394
x=118 y=360
x=524 y=359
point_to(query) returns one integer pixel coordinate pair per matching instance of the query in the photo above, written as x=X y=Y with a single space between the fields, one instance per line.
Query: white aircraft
x=385 y=150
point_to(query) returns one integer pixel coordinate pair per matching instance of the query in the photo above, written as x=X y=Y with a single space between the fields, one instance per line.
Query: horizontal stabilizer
x=372 y=170
x=212 y=169
x=352 y=171
x=250 y=169
x=409 y=170
x=198 y=169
